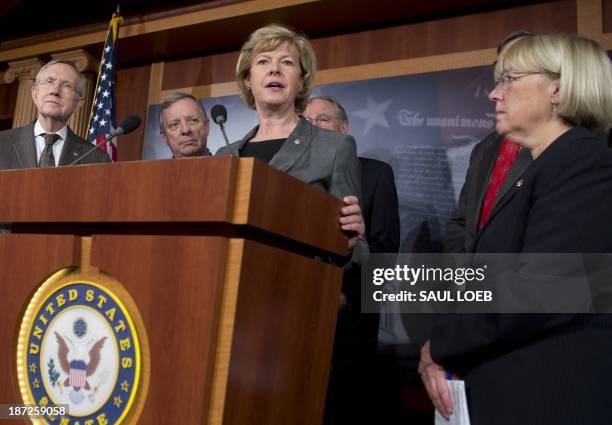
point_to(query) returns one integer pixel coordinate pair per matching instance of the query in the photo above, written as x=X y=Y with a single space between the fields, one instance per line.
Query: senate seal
x=79 y=347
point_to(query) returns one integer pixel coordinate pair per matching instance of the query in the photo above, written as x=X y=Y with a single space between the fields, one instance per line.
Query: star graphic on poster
x=373 y=114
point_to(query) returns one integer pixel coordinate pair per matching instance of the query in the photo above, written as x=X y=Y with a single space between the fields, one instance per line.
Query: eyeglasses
x=63 y=86
x=509 y=77
x=321 y=119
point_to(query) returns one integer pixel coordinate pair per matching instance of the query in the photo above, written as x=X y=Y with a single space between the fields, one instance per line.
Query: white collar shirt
x=57 y=146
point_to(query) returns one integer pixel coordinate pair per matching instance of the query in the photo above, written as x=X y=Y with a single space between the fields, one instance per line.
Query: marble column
x=25 y=72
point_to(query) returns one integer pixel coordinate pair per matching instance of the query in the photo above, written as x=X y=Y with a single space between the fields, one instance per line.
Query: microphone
x=219 y=116
x=128 y=125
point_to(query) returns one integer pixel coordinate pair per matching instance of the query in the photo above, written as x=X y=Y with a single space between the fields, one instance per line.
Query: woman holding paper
x=553 y=96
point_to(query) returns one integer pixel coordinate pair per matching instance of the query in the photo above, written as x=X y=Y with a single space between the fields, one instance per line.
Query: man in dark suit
x=380 y=202
x=351 y=382
x=495 y=164
x=49 y=141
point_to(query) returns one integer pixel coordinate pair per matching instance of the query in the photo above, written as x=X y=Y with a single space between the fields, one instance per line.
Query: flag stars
x=102 y=116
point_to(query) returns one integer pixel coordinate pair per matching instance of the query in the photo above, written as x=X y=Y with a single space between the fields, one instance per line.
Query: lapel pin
x=298 y=141
x=519 y=183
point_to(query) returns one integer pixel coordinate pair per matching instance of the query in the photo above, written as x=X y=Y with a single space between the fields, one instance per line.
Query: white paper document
x=460 y=414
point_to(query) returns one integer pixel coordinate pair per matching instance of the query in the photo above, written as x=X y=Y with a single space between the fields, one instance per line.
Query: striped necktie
x=46 y=158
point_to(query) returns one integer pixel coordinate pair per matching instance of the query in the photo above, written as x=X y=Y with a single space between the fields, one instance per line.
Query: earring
x=555 y=107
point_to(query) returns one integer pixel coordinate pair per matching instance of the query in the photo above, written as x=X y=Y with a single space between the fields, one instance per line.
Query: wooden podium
x=217 y=256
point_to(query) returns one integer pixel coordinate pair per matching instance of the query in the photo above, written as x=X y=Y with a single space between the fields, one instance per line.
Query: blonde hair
x=582 y=67
x=269 y=38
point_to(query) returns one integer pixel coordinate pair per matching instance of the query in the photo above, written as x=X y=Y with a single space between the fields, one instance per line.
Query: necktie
x=508 y=152
x=46 y=158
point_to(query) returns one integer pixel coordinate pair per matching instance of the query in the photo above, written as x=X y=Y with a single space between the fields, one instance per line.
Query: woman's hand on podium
x=351 y=220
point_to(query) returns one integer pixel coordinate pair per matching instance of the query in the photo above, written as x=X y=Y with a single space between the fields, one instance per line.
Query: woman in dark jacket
x=553 y=93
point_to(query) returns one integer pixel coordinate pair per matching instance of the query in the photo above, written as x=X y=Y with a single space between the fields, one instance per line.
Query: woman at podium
x=275 y=72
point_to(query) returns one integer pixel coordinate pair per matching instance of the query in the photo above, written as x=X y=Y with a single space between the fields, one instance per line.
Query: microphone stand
x=227 y=144
x=96 y=147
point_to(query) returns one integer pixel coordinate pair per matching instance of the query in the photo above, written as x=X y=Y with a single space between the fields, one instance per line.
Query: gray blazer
x=324 y=159
x=18 y=149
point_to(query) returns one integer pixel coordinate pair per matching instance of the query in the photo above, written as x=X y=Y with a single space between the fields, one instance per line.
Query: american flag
x=102 y=116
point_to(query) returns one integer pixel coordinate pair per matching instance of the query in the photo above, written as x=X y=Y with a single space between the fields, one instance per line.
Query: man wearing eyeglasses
x=495 y=165
x=49 y=142
x=377 y=180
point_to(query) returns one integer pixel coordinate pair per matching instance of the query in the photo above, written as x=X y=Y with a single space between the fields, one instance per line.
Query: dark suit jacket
x=380 y=205
x=541 y=369
x=381 y=216
x=18 y=149
x=462 y=226
x=356 y=333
